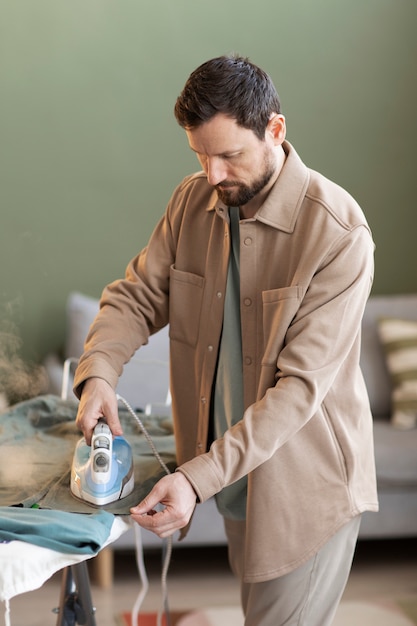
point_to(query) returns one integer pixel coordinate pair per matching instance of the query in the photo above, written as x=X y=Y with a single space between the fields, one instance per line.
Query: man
x=262 y=268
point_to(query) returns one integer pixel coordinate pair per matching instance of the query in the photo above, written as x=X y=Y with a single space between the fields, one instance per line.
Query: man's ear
x=277 y=128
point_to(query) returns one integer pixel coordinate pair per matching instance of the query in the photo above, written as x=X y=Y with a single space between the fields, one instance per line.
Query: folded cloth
x=69 y=533
x=25 y=567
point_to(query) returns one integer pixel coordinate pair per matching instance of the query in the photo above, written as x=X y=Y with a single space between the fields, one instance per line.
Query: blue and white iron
x=103 y=472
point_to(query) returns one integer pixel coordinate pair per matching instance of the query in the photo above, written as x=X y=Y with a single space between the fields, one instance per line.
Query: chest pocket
x=279 y=307
x=185 y=302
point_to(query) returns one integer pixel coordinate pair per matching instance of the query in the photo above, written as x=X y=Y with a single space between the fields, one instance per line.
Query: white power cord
x=7 y=612
x=142 y=575
x=138 y=540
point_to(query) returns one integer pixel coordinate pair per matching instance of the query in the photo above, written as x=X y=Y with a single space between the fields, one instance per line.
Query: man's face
x=236 y=162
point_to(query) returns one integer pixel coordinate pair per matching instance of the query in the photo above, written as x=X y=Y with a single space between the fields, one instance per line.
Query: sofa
x=145 y=384
x=395 y=444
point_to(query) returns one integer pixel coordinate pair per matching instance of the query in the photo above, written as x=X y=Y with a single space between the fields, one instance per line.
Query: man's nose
x=215 y=170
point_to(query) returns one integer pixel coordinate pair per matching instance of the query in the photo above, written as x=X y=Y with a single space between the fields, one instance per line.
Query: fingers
x=98 y=400
x=177 y=497
x=162 y=523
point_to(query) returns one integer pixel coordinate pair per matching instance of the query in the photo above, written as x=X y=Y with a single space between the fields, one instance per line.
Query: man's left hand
x=178 y=498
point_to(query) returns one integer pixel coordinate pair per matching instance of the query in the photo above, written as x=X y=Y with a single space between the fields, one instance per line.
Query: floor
x=201 y=577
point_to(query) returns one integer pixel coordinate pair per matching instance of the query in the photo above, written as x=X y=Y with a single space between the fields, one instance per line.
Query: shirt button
x=248 y=241
x=203 y=400
x=247 y=301
x=248 y=360
x=210 y=348
x=219 y=294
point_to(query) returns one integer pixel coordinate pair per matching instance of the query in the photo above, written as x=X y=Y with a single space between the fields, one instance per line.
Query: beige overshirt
x=305 y=440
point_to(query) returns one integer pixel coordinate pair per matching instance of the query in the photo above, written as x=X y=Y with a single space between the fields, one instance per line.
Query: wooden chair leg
x=102 y=568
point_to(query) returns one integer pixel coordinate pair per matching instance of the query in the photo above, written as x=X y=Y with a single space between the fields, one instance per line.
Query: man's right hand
x=98 y=400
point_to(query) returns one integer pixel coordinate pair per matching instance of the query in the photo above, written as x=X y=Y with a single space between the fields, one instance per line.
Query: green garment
x=228 y=392
x=37 y=442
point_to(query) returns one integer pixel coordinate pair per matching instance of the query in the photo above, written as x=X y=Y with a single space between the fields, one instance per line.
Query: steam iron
x=103 y=472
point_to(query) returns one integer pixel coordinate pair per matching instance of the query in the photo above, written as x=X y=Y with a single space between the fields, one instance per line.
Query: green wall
x=90 y=150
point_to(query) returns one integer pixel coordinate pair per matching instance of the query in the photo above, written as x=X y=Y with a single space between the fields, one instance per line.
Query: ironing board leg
x=75 y=606
x=67 y=588
x=82 y=582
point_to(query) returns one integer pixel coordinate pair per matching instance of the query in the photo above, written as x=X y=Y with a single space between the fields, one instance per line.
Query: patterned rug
x=230 y=615
x=383 y=613
x=149 y=619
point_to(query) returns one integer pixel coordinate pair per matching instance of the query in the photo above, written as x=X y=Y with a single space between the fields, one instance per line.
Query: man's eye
x=228 y=157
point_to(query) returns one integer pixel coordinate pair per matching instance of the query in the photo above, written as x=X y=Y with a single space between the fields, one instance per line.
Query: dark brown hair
x=231 y=85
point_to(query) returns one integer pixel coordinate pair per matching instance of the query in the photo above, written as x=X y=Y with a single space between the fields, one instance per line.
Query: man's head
x=231 y=85
x=230 y=111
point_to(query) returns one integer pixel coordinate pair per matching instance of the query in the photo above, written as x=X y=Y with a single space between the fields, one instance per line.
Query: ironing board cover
x=25 y=567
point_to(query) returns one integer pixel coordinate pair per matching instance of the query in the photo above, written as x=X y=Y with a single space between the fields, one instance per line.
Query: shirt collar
x=281 y=207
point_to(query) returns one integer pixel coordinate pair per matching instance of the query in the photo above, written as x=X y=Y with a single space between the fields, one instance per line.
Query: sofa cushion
x=395 y=456
x=145 y=379
x=373 y=362
x=399 y=338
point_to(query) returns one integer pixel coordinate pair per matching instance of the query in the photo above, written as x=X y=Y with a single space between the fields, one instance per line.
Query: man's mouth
x=223 y=186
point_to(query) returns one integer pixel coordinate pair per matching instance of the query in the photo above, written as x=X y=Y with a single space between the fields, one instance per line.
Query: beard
x=240 y=194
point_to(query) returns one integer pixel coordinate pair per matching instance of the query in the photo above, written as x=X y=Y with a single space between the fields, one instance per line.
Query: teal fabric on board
x=69 y=533
x=228 y=392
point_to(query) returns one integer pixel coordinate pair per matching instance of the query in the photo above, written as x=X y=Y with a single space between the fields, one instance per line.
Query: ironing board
x=43 y=431
x=25 y=567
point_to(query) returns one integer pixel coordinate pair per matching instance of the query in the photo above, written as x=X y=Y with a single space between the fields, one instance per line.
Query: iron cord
x=167 y=549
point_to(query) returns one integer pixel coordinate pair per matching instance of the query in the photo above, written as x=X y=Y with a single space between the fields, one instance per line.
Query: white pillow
x=145 y=379
x=81 y=311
